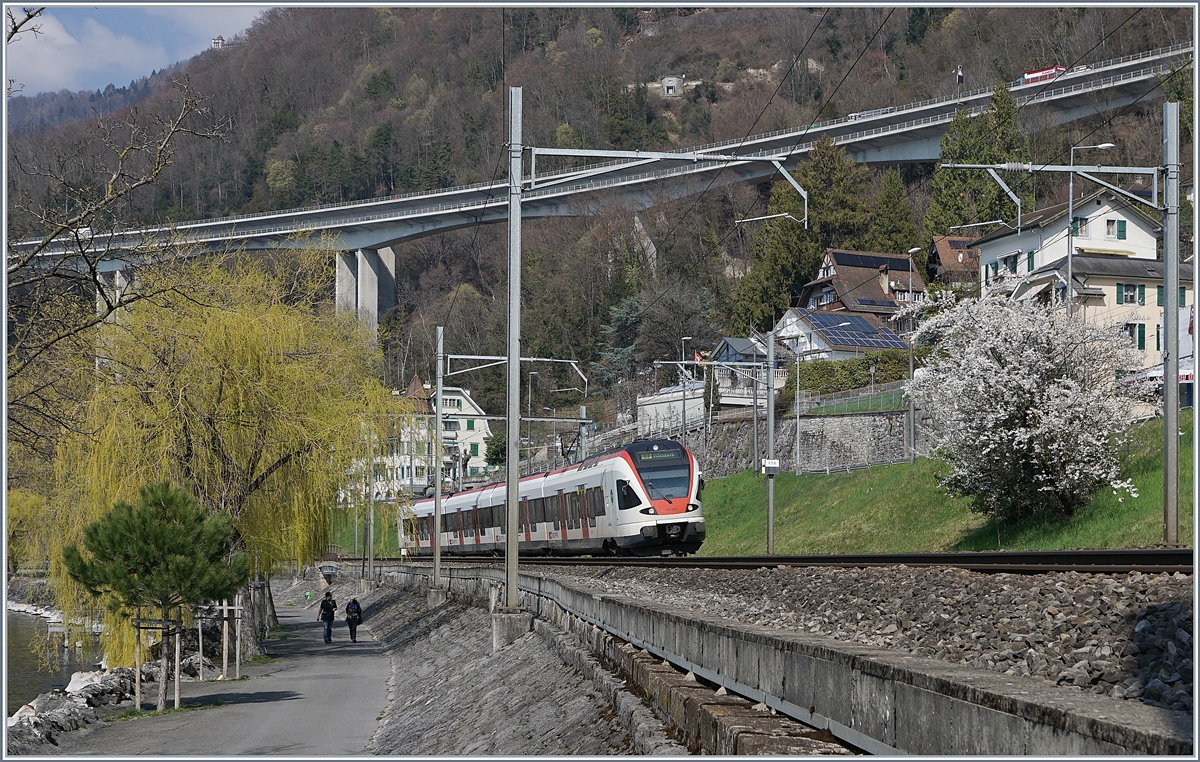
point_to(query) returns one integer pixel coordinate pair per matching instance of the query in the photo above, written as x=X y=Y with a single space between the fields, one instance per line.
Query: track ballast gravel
x=1126 y=636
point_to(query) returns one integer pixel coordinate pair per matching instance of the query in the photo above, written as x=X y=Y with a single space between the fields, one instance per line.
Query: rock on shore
x=36 y=726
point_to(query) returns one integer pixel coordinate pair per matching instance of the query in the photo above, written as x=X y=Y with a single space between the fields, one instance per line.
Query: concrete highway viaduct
x=364 y=232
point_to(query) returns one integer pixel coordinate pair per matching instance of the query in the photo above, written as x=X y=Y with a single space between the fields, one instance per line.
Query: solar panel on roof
x=869 y=260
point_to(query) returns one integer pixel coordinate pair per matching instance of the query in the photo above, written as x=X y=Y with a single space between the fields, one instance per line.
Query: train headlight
x=649 y=511
x=693 y=507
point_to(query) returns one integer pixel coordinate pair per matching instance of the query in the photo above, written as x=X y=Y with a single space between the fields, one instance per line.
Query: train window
x=626 y=496
x=537 y=511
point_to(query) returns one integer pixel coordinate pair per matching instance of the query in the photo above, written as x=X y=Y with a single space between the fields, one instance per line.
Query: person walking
x=353 y=618
x=325 y=615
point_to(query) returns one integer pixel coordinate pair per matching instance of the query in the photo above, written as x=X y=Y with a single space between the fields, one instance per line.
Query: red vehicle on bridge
x=1041 y=75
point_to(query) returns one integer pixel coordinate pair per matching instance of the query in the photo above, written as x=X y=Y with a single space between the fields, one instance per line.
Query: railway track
x=1146 y=561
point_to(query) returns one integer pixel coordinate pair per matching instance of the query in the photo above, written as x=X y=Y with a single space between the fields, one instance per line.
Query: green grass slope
x=899 y=508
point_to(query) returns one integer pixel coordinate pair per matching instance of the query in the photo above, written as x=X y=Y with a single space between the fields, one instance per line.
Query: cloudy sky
x=89 y=47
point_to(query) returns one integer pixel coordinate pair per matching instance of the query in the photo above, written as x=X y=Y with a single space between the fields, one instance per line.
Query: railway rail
x=1122 y=561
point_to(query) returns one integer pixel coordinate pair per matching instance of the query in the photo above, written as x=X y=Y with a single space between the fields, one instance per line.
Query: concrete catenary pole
x=770 y=443
x=513 y=427
x=437 y=459
x=1171 y=326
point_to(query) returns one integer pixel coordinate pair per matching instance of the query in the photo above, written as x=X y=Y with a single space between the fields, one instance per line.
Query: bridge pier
x=366 y=284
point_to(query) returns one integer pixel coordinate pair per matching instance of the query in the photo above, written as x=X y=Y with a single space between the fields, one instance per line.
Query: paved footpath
x=313 y=700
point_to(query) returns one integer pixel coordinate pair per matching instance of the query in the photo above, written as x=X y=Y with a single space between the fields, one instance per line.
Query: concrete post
x=346 y=282
x=437 y=459
x=770 y=443
x=1171 y=326
x=368 y=287
x=513 y=428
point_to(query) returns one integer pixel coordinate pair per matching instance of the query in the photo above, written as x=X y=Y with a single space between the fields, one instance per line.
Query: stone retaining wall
x=827 y=442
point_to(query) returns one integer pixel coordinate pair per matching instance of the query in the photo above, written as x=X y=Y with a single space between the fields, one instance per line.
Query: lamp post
x=553 y=436
x=683 y=390
x=912 y=411
x=529 y=425
x=1071 y=219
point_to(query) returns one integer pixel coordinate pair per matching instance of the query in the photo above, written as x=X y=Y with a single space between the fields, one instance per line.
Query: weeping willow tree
x=236 y=379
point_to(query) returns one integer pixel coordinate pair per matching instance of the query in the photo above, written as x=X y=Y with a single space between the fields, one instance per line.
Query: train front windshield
x=664 y=471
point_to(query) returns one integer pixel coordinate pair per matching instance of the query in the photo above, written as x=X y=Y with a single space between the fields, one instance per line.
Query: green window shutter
x=1120 y=230
x=1074 y=226
x=1160 y=296
x=1029 y=262
x=1158 y=338
x=1141 y=293
x=1120 y=293
x=1182 y=297
x=470 y=424
x=474 y=449
x=1141 y=335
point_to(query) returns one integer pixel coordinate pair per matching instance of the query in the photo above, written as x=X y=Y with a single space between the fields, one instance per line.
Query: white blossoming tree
x=1029 y=406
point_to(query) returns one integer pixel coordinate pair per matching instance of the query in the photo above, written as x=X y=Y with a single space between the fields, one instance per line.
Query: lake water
x=29 y=674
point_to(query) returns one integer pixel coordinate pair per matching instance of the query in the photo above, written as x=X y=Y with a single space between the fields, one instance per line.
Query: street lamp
x=683 y=390
x=1071 y=218
x=912 y=411
x=553 y=436
x=529 y=424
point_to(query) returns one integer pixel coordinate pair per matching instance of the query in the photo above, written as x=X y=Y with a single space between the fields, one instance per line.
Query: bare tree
x=71 y=253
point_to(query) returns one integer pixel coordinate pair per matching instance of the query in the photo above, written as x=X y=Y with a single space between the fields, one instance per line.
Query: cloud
x=88 y=48
x=57 y=59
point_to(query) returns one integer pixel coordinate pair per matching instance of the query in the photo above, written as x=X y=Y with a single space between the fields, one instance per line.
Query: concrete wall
x=881 y=701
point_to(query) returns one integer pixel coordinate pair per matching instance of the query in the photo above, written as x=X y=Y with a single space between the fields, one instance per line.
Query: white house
x=1105 y=223
x=834 y=335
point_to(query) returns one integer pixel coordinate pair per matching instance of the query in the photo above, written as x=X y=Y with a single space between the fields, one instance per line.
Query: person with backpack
x=353 y=618
x=325 y=615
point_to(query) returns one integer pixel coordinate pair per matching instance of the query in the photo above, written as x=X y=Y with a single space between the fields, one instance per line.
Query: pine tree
x=891 y=228
x=837 y=207
x=962 y=196
x=166 y=552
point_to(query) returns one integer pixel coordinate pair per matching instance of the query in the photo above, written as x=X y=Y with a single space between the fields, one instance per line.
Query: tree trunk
x=164 y=664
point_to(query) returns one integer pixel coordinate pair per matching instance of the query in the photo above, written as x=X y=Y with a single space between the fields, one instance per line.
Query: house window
x=1115 y=229
x=1131 y=293
x=1080 y=227
x=474 y=449
x=470 y=424
x=1136 y=332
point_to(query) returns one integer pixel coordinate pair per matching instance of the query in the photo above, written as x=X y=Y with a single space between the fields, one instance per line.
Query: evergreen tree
x=497 y=450
x=964 y=195
x=163 y=553
x=891 y=227
x=837 y=207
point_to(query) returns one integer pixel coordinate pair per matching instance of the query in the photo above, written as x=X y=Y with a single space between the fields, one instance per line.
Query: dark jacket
x=328 y=606
x=353 y=612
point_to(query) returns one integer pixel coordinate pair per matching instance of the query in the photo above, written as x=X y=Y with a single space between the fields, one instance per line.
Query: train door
x=563 y=522
x=525 y=517
x=584 y=511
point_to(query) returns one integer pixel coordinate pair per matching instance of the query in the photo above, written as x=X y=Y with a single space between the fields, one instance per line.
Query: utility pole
x=1171 y=326
x=371 y=506
x=770 y=466
x=513 y=425
x=437 y=474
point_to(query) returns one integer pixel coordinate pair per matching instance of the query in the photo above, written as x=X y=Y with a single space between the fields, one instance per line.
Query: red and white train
x=642 y=499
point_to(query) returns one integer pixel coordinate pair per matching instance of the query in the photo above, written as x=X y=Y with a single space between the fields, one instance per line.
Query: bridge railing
x=598 y=184
x=297 y=226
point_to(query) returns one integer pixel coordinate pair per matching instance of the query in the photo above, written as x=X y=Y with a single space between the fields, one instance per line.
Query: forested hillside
x=338 y=104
